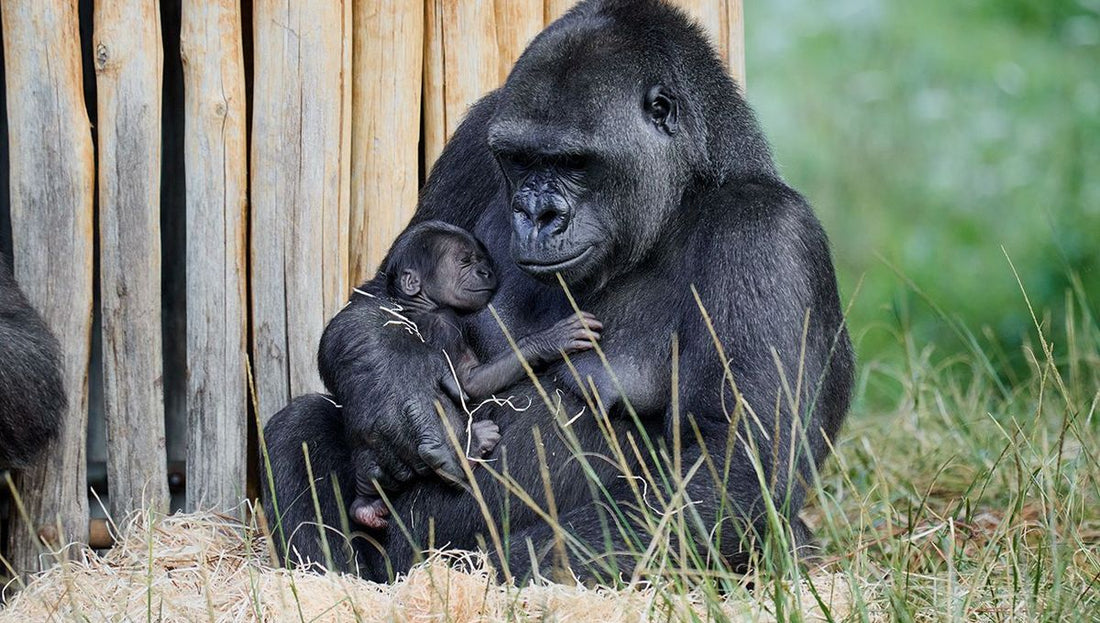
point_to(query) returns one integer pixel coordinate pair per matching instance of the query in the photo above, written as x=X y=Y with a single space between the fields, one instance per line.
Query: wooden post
x=338 y=222
x=518 y=21
x=299 y=193
x=433 y=134
x=735 y=41
x=129 y=66
x=461 y=53
x=389 y=36
x=215 y=150
x=50 y=145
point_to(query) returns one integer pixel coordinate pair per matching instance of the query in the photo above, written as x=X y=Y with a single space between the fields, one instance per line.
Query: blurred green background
x=928 y=135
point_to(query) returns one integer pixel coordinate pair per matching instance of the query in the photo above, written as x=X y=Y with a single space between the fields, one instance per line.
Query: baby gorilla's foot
x=369 y=512
x=486 y=437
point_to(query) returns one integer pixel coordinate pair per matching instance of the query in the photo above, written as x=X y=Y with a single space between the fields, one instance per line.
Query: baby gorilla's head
x=443 y=264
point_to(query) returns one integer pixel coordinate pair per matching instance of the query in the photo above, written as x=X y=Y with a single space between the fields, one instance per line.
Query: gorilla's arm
x=480 y=380
x=32 y=393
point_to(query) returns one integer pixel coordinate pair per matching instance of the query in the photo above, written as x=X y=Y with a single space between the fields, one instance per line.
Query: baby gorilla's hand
x=571 y=335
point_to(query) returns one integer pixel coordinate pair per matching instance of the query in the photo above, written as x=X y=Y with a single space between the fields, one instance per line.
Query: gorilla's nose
x=541 y=216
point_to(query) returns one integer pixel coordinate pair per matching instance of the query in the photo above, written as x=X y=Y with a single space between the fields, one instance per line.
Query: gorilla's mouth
x=536 y=267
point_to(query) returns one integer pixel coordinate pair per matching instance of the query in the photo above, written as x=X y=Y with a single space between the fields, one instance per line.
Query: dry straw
x=208 y=567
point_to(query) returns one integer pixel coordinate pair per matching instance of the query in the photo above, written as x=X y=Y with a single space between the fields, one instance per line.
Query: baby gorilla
x=436 y=272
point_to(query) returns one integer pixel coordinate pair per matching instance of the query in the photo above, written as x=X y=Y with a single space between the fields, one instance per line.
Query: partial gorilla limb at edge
x=314 y=420
x=32 y=394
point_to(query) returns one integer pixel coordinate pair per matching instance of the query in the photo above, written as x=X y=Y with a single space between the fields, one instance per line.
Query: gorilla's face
x=592 y=148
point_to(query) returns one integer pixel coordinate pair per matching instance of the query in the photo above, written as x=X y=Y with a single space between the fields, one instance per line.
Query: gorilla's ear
x=409 y=282
x=660 y=105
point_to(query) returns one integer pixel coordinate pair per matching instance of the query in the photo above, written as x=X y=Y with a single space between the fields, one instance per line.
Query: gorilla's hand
x=412 y=442
x=571 y=335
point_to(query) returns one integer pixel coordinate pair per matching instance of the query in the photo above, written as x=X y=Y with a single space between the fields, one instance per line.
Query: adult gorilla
x=620 y=155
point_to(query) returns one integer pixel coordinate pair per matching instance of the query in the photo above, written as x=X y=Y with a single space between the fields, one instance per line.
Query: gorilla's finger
x=441 y=459
x=391 y=472
x=593 y=324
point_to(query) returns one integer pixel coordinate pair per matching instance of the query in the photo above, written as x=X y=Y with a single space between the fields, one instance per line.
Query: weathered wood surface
x=338 y=223
x=433 y=122
x=129 y=67
x=385 y=158
x=735 y=41
x=52 y=183
x=299 y=208
x=215 y=151
x=461 y=53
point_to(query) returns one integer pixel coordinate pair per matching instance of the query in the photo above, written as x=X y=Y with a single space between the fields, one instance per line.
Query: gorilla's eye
x=660 y=105
x=519 y=161
x=573 y=162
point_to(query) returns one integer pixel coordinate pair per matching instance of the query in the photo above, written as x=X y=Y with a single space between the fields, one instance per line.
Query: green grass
x=973 y=503
x=930 y=134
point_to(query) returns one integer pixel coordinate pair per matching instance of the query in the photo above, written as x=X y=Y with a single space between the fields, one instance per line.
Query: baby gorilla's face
x=464 y=279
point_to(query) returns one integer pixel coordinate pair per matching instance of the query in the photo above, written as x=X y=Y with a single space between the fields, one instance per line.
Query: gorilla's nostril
x=546 y=218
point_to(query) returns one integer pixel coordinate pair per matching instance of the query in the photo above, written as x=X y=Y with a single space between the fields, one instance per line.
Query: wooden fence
x=300 y=132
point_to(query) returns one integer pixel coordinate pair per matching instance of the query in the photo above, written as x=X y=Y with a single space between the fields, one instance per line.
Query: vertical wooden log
x=50 y=146
x=389 y=47
x=338 y=223
x=433 y=117
x=735 y=41
x=299 y=215
x=129 y=65
x=518 y=21
x=215 y=151
x=462 y=47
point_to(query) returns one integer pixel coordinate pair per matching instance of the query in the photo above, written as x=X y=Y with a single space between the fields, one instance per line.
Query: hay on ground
x=206 y=567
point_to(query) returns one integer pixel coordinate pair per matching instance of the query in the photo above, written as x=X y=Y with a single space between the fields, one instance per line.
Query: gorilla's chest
x=625 y=376
x=635 y=369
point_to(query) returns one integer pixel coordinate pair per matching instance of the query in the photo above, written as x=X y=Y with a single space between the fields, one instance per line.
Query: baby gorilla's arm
x=481 y=380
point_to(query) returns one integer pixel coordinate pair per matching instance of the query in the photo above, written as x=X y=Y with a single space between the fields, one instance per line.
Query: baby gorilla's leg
x=486 y=437
x=368 y=509
x=369 y=512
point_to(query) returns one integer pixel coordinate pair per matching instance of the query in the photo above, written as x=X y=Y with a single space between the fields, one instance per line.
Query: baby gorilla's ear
x=409 y=282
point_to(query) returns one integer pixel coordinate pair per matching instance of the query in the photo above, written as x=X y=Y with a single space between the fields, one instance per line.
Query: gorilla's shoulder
x=763 y=206
x=760 y=231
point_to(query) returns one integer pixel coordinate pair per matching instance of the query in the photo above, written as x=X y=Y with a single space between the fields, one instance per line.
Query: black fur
x=620 y=146
x=391 y=371
x=32 y=395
